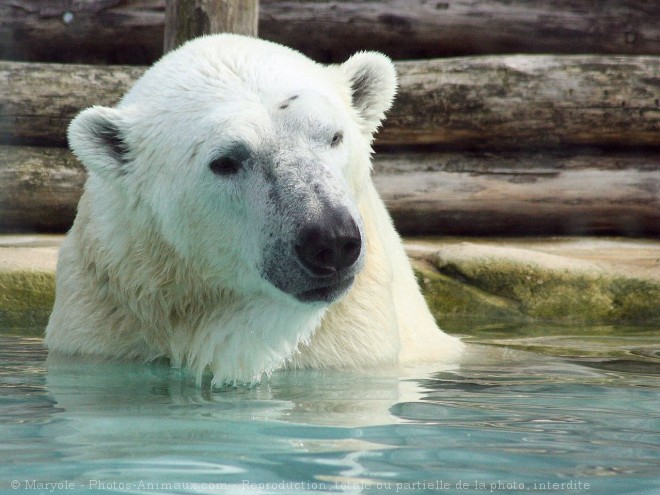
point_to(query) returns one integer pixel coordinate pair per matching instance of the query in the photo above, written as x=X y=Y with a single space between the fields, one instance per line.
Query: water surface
x=579 y=414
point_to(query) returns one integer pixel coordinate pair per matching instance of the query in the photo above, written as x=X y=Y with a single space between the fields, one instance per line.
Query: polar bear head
x=248 y=159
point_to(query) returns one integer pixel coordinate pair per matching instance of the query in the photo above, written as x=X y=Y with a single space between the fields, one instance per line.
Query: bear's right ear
x=97 y=139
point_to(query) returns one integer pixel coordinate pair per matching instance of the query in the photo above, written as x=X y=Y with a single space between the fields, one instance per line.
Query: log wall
x=474 y=145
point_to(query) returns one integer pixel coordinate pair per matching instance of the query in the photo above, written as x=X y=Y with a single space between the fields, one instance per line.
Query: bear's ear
x=373 y=84
x=96 y=137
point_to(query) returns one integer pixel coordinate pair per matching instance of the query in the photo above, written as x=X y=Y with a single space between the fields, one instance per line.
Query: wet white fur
x=156 y=266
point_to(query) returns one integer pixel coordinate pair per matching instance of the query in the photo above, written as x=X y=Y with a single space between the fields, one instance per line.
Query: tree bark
x=188 y=19
x=574 y=193
x=475 y=102
x=131 y=31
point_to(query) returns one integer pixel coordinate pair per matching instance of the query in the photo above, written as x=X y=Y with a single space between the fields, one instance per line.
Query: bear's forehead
x=304 y=113
x=242 y=107
x=223 y=69
x=252 y=92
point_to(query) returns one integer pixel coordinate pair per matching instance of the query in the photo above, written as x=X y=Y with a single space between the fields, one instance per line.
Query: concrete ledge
x=581 y=280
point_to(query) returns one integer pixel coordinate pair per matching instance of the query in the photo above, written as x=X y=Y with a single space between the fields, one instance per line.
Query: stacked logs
x=486 y=145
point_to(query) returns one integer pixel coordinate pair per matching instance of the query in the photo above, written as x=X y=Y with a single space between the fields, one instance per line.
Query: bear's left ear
x=373 y=84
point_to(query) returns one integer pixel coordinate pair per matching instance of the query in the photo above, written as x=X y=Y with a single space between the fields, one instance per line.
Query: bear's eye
x=225 y=166
x=337 y=139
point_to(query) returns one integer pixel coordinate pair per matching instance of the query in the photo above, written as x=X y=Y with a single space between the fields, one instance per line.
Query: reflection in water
x=503 y=416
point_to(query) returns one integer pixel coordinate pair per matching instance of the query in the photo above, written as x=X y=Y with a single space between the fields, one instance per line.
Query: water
x=509 y=423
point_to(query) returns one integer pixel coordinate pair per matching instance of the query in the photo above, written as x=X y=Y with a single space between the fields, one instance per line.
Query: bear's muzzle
x=328 y=247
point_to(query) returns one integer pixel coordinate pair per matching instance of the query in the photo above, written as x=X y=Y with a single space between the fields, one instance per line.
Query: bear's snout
x=330 y=244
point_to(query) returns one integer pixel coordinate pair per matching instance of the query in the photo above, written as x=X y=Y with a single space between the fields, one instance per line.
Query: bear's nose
x=329 y=244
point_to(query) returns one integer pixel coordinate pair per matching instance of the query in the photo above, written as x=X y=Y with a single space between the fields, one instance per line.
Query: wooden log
x=94 y=31
x=39 y=189
x=407 y=29
x=474 y=102
x=37 y=101
x=131 y=31
x=579 y=192
x=527 y=102
x=584 y=192
x=188 y=19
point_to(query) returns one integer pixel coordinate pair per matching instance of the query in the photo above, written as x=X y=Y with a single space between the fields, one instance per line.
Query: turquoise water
x=509 y=423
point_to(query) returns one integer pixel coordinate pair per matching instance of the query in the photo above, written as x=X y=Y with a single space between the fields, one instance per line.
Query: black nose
x=329 y=244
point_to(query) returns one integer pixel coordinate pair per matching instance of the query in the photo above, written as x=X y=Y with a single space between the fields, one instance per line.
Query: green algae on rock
x=543 y=286
x=27 y=282
x=26 y=299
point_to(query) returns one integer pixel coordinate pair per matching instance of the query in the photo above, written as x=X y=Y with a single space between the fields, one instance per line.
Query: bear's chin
x=326 y=294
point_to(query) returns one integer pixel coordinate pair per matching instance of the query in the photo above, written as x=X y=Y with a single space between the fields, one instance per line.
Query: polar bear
x=230 y=224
